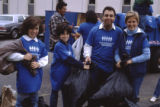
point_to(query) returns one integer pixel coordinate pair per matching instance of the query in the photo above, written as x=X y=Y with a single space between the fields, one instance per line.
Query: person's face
x=64 y=37
x=63 y=10
x=33 y=32
x=108 y=18
x=132 y=23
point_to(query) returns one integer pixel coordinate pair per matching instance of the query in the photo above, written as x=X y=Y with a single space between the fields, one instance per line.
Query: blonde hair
x=133 y=14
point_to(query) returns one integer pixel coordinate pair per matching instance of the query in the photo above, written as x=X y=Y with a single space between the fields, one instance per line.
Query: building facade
x=38 y=7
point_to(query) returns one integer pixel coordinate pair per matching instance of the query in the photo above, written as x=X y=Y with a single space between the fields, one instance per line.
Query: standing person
x=137 y=47
x=29 y=80
x=63 y=59
x=84 y=28
x=156 y=93
x=100 y=48
x=57 y=18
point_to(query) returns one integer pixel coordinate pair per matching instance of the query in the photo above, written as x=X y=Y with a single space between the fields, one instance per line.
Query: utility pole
x=52 y=4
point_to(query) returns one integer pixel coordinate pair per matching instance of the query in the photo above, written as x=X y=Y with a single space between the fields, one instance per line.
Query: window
x=31 y=7
x=5 y=6
x=127 y=2
x=6 y=18
x=20 y=19
x=91 y=1
x=91 y=5
x=126 y=6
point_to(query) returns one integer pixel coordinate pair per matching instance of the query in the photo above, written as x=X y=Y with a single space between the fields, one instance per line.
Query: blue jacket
x=137 y=69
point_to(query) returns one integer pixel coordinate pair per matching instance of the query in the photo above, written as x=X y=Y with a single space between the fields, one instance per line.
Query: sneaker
x=153 y=99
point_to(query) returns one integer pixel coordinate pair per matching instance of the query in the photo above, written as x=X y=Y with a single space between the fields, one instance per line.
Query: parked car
x=10 y=24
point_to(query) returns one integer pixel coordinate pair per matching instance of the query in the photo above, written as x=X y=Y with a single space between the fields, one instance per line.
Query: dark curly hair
x=30 y=23
x=60 y=5
x=91 y=16
x=61 y=28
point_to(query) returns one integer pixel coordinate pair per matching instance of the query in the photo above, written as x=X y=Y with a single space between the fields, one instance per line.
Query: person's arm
x=144 y=56
x=43 y=61
x=87 y=52
x=19 y=57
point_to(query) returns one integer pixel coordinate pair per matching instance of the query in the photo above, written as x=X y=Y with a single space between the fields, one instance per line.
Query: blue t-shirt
x=103 y=45
x=84 y=29
x=26 y=83
x=59 y=69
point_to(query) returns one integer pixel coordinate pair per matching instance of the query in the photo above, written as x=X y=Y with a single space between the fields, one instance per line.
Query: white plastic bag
x=77 y=47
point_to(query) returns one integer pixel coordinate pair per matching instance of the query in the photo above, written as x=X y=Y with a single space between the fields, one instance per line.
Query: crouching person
x=29 y=65
x=63 y=59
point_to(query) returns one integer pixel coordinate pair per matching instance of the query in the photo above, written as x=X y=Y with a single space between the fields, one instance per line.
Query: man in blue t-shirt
x=100 y=48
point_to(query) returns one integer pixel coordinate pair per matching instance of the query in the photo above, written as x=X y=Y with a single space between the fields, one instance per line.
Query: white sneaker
x=153 y=99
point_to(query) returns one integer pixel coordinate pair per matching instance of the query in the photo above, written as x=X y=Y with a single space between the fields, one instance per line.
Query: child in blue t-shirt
x=29 y=75
x=63 y=59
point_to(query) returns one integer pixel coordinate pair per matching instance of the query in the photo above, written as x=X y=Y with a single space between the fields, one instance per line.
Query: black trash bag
x=117 y=86
x=41 y=102
x=74 y=87
x=27 y=102
x=155 y=105
x=130 y=103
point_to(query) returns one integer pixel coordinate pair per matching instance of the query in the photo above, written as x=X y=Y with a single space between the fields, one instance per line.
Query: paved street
x=147 y=88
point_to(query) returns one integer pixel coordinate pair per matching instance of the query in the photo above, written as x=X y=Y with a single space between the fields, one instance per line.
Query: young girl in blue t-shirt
x=63 y=59
x=29 y=78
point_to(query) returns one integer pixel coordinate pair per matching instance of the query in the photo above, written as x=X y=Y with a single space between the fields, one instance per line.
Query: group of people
x=104 y=45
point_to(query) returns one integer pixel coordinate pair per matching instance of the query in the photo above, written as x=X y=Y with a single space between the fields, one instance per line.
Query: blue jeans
x=157 y=90
x=53 y=98
x=136 y=84
x=33 y=99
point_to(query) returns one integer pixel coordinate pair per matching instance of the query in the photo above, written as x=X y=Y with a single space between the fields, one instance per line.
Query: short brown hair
x=109 y=8
x=30 y=23
x=130 y=14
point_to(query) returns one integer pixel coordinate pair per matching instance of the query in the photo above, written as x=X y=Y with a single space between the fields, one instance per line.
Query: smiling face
x=64 y=37
x=32 y=33
x=132 y=23
x=63 y=10
x=108 y=18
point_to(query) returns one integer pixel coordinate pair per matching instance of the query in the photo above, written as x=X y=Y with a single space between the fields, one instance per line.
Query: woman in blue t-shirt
x=137 y=47
x=63 y=59
x=29 y=75
x=84 y=28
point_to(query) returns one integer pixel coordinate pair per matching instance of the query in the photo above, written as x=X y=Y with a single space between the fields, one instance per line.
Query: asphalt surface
x=146 y=91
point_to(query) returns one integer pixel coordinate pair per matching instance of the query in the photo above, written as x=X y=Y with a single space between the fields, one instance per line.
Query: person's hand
x=87 y=67
x=28 y=56
x=129 y=61
x=88 y=59
x=118 y=64
x=35 y=65
x=71 y=26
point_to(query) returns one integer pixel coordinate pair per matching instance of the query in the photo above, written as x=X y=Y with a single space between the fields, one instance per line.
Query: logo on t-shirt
x=33 y=49
x=106 y=41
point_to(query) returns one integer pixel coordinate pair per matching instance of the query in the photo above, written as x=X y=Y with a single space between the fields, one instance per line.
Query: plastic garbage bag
x=130 y=103
x=75 y=85
x=77 y=47
x=117 y=86
x=27 y=102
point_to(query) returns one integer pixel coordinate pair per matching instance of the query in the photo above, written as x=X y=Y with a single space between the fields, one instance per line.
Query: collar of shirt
x=27 y=38
x=137 y=30
x=101 y=26
x=58 y=14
